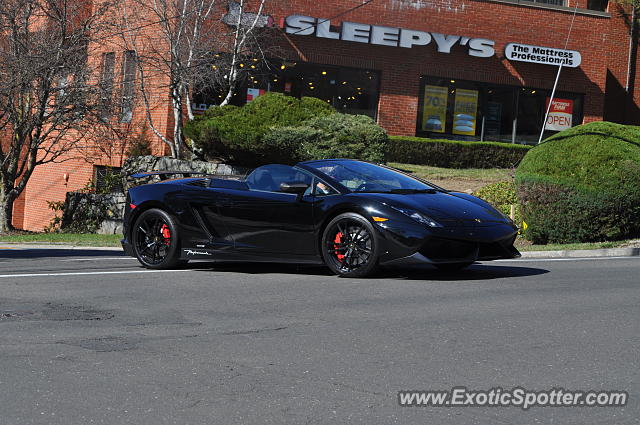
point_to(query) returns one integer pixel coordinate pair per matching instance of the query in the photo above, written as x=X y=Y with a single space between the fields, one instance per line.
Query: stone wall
x=93 y=213
x=153 y=163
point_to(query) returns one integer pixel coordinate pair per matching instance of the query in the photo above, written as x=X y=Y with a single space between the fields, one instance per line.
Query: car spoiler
x=164 y=175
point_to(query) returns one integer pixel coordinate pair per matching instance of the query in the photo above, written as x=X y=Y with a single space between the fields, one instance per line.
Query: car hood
x=450 y=208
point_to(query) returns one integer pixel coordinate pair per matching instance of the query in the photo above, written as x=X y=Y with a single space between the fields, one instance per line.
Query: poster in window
x=434 y=116
x=560 y=115
x=465 y=112
x=253 y=93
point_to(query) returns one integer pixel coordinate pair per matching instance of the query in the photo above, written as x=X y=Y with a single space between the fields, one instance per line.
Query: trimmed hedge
x=453 y=153
x=582 y=185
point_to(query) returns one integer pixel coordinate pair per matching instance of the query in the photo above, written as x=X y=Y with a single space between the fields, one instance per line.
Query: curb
x=581 y=253
x=584 y=253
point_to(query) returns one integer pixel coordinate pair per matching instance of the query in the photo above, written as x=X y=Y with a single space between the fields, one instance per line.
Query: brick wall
x=401 y=68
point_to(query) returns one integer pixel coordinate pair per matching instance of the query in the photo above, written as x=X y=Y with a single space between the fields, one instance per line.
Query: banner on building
x=434 y=117
x=253 y=93
x=465 y=112
x=560 y=115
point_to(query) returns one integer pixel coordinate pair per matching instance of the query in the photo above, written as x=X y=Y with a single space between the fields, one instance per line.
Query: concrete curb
x=584 y=253
x=581 y=253
x=12 y=245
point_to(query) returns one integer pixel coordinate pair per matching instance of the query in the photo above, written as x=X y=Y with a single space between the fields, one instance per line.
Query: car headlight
x=419 y=217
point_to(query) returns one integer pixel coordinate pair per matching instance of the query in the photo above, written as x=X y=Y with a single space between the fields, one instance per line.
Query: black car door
x=205 y=223
x=265 y=220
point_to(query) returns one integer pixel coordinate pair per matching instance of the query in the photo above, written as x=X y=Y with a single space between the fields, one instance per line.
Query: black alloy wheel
x=349 y=246
x=155 y=240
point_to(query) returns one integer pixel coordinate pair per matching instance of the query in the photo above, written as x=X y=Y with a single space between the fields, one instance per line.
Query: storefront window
x=467 y=110
x=349 y=90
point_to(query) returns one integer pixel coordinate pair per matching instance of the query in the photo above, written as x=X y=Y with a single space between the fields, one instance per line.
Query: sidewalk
x=18 y=246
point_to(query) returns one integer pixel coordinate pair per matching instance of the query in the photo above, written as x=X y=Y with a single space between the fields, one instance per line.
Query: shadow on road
x=473 y=272
x=259 y=268
x=57 y=253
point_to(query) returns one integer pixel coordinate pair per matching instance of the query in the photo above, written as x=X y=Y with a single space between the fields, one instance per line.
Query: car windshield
x=365 y=177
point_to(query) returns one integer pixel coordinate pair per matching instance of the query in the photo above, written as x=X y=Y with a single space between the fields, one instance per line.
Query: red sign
x=253 y=93
x=560 y=115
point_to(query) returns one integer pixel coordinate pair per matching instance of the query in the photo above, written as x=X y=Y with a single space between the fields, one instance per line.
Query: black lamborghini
x=350 y=215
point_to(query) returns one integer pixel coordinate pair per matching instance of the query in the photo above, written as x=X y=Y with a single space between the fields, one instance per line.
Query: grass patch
x=523 y=246
x=489 y=175
x=63 y=238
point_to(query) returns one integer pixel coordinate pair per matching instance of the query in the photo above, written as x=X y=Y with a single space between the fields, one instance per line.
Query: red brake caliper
x=336 y=245
x=166 y=234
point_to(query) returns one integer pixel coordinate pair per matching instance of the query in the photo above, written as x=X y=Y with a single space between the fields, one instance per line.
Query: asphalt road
x=91 y=338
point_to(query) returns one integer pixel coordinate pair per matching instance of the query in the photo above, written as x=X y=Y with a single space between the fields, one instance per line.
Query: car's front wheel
x=349 y=246
x=155 y=240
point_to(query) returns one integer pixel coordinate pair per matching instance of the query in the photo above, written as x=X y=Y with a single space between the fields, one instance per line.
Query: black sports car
x=350 y=215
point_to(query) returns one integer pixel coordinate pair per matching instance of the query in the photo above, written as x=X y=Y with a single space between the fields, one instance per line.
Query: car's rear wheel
x=452 y=267
x=155 y=240
x=349 y=246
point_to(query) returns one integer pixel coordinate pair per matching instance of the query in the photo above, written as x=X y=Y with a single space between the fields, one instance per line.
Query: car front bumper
x=448 y=245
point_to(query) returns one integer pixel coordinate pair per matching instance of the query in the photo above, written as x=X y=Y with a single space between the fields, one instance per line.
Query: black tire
x=155 y=240
x=452 y=267
x=357 y=254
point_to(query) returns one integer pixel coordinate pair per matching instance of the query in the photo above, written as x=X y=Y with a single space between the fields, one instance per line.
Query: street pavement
x=89 y=337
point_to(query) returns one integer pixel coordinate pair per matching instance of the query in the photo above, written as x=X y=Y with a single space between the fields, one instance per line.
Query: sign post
x=555 y=85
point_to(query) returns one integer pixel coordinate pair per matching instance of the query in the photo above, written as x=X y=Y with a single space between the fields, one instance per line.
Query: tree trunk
x=7 y=199
x=177 y=121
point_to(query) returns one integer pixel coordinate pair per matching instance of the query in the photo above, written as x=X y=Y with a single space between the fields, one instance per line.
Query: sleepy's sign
x=386 y=36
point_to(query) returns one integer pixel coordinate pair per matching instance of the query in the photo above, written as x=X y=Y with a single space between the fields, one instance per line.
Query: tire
x=155 y=240
x=452 y=267
x=350 y=247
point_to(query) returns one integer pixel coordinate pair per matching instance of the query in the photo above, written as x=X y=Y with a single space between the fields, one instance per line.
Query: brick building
x=456 y=69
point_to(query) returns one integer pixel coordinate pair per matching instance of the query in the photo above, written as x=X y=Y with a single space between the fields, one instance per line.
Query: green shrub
x=502 y=195
x=454 y=154
x=287 y=142
x=333 y=136
x=582 y=185
x=237 y=134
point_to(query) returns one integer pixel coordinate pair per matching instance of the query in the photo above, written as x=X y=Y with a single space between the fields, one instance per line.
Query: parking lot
x=90 y=337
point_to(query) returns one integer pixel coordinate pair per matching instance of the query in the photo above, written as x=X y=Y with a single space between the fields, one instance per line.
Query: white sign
x=560 y=115
x=544 y=55
x=386 y=36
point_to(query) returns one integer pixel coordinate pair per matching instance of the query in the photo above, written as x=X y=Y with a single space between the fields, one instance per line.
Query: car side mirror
x=296 y=187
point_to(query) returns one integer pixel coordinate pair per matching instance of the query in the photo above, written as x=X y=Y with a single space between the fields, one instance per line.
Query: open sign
x=560 y=115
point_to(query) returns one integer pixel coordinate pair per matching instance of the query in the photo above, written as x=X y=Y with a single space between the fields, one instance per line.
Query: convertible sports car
x=350 y=215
